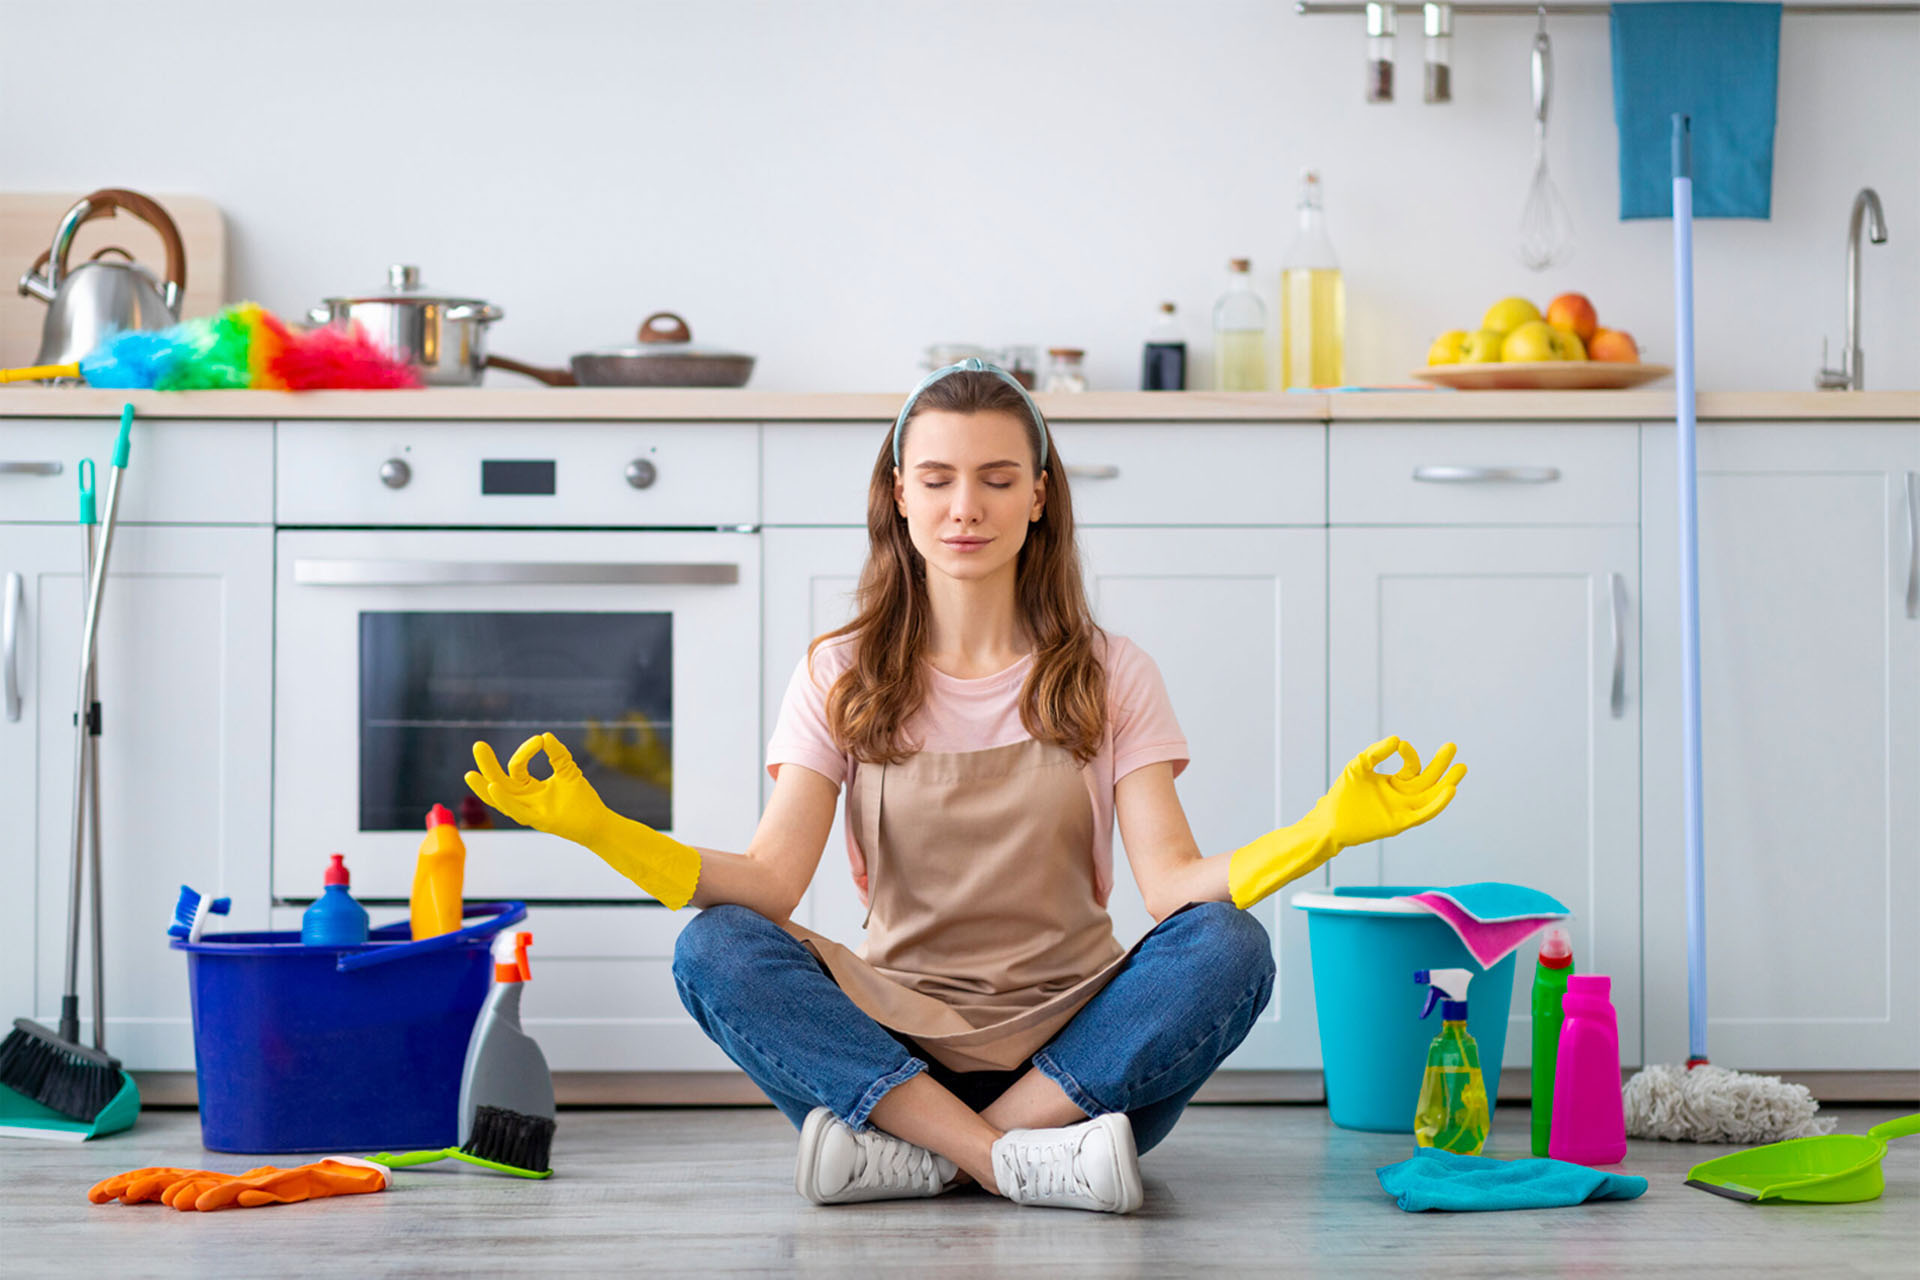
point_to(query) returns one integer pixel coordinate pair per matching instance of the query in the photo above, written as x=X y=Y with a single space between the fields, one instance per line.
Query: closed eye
x=991 y=484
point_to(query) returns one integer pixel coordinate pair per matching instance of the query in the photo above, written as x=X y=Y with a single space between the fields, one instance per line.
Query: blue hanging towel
x=1436 y=1179
x=1718 y=63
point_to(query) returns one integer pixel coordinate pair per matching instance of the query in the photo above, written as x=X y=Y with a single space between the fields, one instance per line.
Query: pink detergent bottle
x=1589 y=1125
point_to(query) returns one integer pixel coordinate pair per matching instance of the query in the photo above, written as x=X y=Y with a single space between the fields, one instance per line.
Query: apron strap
x=870 y=827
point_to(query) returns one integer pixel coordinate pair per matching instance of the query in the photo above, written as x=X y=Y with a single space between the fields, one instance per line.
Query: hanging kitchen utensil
x=101 y=296
x=1546 y=228
x=443 y=336
x=665 y=356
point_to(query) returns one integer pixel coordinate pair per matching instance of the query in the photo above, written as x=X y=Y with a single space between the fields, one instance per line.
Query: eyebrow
x=948 y=466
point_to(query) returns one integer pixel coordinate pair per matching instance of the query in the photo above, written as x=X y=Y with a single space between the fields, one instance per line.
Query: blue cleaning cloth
x=1490 y=900
x=1436 y=1179
x=1718 y=63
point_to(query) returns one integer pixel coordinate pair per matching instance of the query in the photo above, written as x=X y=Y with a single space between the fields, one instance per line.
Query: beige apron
x=984 y=935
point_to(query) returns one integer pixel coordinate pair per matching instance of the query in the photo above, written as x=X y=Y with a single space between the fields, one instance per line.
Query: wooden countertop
x=681 y=404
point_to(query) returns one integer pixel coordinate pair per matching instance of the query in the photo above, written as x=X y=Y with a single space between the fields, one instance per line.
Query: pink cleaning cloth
x=1490 y=942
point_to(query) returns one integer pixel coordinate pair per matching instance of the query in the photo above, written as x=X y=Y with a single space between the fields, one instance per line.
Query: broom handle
x=70 y=996
x=1689 y=593
x=93 y=837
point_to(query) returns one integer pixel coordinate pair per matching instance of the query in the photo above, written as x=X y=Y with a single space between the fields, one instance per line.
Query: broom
x=48 y=1067
x=1700 y=1102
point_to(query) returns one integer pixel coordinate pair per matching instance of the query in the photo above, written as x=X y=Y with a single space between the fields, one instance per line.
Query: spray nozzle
x=1448 y=986
x=510 y=958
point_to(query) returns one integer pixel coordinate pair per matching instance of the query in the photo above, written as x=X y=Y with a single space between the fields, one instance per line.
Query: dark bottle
x=1163 y=362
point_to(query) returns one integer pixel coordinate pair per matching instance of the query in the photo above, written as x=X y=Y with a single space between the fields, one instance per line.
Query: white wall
x=832 y=185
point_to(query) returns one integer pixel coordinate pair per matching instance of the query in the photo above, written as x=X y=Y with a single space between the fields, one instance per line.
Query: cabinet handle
x=1486 y=475
x=10 y=639
x=1104 y=471
x=1913 y=544
x=1618 y=592
x=29 y=468
x=462 y=573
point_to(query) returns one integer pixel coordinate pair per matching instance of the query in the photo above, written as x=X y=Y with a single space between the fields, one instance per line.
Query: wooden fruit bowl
x=1542 y=375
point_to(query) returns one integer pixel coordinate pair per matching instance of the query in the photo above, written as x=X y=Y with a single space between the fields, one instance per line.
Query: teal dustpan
x=1838 y=1168
x=22 y=1117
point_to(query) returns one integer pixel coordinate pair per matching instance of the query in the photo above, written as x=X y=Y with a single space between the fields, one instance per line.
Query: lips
x=966 y=542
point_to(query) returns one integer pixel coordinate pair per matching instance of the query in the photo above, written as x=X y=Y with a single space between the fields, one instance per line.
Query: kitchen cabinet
x=1810 y=727
x=185 y=683
x=1235 y=620
x=1519 y=644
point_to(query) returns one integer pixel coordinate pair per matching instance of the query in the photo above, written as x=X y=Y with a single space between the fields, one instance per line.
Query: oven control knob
x=641 y=474
x=395 y=473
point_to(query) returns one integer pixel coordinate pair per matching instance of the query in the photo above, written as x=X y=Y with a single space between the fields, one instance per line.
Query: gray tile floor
x=1237 y=1190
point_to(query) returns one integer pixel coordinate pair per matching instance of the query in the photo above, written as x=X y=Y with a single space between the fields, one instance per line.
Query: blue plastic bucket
x=1373 y=1043
x=302 y=1048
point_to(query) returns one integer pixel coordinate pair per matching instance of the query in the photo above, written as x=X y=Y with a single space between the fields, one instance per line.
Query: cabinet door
x=1235 y=620
x=1810 y=745
x=185 y=647
x=810 y=576
x=1521 y=646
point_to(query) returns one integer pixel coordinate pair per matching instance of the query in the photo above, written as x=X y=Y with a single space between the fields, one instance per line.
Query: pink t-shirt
x=973 y=715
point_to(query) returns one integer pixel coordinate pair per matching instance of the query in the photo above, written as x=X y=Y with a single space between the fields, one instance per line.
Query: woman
x=991 y=1028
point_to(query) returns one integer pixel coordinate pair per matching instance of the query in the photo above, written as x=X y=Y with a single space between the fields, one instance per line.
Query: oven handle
x=490 y=573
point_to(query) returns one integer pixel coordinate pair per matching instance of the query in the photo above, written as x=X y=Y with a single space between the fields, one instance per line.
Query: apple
x=1446 y=347
x=1572 y=312
x=1567 y=346
x=1614 y=345
x=1533 y=340
x=1509 y=314
x=1482 y=346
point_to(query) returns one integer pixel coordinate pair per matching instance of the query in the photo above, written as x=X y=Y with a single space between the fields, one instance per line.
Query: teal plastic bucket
x=1373 y=1043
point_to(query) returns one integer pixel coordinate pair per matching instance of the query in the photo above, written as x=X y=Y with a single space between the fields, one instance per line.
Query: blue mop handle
x=1689 y=592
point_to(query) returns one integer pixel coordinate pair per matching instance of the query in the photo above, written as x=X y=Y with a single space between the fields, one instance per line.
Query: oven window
x=433 y=683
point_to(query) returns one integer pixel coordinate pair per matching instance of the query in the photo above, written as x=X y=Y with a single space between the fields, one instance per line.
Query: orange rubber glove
x=334 y=1176
x=566 y=805
x=141 y=1186
x=1363 y=804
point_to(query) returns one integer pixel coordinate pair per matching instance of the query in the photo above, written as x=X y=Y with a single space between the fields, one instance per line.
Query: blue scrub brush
x=190 y=914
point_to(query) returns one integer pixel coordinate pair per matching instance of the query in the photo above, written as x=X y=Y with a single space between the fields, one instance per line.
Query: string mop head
x=341 y=359
x=1706 y=1103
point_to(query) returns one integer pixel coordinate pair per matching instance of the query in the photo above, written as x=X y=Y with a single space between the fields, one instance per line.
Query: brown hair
x=1064 y=698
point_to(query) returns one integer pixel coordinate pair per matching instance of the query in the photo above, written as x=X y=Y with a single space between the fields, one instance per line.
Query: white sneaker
x=1091 y=1165
x=840 y=1164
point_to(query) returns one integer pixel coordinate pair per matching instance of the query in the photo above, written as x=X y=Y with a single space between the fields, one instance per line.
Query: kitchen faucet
x=1849 y=376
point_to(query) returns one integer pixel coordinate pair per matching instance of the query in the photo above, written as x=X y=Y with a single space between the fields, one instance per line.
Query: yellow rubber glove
x=336 y=1176
x=566 y=805
x=1364 y=804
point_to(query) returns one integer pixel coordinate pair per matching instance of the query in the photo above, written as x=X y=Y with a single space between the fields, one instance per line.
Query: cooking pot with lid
x=442 y=335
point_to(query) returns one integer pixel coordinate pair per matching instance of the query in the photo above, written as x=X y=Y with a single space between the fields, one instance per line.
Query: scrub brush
x=190 y=913
x=506 y=1091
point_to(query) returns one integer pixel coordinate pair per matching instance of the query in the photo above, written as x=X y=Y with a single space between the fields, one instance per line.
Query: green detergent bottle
x=1452 y=1113
x=1549 y=986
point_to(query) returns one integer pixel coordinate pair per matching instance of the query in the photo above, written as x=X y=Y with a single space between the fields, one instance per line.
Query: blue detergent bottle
x=335 y=920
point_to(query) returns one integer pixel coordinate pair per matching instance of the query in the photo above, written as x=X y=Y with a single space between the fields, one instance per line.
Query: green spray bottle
x=1452 y=1113
x=1549 y=987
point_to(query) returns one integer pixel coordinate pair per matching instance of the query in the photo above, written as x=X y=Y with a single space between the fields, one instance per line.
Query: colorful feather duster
x=244 y=347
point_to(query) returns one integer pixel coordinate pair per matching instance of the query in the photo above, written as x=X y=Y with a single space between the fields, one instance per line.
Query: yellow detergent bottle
x=438 y=877
x=1452 y=1113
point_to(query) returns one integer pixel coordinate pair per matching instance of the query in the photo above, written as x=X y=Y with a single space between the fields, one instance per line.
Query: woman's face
x=966 y=485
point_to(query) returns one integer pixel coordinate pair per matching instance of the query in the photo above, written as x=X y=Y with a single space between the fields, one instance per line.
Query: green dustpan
x=22 y=1117
x=1838 y=1168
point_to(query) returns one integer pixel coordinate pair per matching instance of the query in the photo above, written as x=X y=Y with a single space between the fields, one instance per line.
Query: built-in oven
x=440 y=583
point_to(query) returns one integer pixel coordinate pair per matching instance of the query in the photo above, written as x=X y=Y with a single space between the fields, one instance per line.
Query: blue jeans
x=1143 y=1045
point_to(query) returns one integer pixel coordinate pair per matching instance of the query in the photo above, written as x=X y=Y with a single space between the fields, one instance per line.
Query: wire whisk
x=1546 y=228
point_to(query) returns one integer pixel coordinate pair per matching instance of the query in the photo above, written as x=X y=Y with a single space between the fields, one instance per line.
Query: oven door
x=395 y=650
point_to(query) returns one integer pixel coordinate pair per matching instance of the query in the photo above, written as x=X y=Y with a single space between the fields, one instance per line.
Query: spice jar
x=1380 y=24
x=1438 y=20
x=1023 y=363
x=1066 y=369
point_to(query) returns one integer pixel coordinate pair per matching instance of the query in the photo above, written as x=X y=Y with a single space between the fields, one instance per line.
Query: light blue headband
x=972 y=364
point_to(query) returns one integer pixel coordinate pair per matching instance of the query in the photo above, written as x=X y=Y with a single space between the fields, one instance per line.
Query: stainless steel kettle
x=102 y=296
